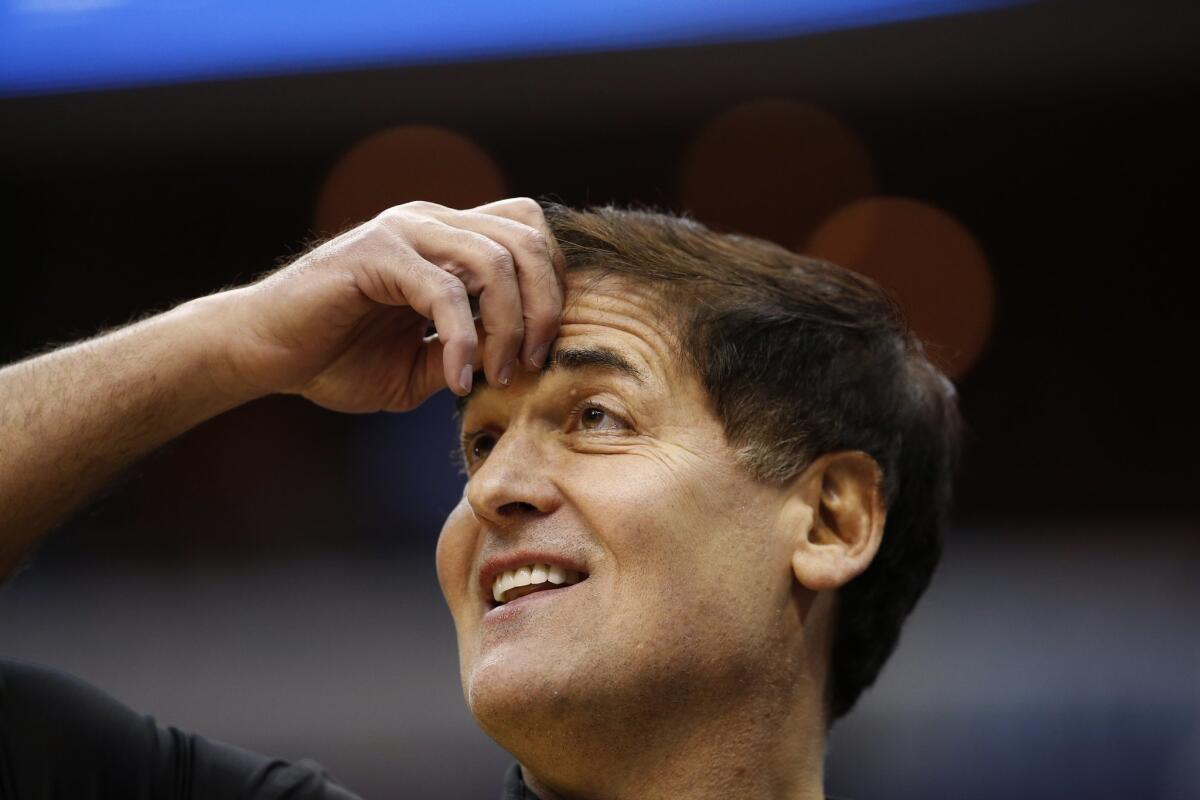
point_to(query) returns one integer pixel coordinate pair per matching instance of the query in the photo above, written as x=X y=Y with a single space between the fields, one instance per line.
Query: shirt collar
x=514 y=785
x=515 y=788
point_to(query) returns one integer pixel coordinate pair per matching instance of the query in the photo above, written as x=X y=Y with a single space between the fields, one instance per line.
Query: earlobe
x=844 y=493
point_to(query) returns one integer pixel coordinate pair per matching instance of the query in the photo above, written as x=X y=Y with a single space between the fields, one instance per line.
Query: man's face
x=630 y=481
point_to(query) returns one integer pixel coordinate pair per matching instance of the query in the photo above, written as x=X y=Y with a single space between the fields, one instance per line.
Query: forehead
x=621 y=313
x=609 y=323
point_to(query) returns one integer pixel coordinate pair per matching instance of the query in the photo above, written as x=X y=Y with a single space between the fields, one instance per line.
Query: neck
x=753 y=729
x=761 y=745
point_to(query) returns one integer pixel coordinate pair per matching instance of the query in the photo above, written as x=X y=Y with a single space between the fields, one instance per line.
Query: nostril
x=518 y=507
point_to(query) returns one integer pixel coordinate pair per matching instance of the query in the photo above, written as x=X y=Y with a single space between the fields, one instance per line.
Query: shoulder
x=56 y=727
x=55 y=711
x=62 y=737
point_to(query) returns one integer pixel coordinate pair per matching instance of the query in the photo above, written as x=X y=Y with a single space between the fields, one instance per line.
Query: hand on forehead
x=610 y=325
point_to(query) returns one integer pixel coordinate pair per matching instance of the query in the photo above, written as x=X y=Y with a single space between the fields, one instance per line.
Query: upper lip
x=520 y=558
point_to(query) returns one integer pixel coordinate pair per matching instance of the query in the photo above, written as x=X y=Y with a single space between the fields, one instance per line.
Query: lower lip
x=514 y=607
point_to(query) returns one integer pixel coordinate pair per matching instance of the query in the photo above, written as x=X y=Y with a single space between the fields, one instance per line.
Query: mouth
x=529 y=580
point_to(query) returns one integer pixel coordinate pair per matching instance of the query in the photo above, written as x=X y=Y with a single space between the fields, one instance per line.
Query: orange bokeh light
x=774 y=169
x=398 y=165
x=928 y=261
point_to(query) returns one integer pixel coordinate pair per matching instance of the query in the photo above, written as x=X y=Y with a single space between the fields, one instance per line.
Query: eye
x=597 y=418
x=479 y=447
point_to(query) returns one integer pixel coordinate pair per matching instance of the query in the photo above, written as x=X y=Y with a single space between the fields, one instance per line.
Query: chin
x=515 y=690
x=514 y=680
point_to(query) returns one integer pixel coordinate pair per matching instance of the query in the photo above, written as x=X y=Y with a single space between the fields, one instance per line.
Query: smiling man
x=694 y=520
x=673 y=506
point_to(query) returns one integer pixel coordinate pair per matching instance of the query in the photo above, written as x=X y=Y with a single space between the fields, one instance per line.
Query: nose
x=514 y=482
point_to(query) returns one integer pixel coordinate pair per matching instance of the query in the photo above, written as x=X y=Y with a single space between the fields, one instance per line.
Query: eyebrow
x=574 y=359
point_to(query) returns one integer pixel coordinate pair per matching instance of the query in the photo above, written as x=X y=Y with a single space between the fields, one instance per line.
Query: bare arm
x=71 y=419
x=344 y=326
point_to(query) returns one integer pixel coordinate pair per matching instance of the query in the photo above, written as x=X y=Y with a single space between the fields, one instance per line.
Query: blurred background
x=1023 y=175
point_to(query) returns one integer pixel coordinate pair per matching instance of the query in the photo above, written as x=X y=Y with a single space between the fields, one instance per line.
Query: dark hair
x=801 y=357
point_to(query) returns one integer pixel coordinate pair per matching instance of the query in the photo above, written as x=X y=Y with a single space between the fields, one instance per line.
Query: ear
x=844 y=495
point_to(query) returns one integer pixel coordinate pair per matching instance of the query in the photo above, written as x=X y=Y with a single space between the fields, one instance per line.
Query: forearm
x=72 y=419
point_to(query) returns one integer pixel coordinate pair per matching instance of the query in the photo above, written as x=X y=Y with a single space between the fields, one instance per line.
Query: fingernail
x=539 y=356
x=505 y=374
x=464 y=379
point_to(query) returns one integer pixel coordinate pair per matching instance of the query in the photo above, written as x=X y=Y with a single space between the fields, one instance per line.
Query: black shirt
x=63 y=738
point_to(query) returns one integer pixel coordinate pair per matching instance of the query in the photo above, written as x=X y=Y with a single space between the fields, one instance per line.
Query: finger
x=540 y=292
x=489 y=270
x=541 y=295
x=429 y=368
x=439 y=296
x=529 y=212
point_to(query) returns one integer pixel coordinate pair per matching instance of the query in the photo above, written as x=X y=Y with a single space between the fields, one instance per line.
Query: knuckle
x=450 y=287
x=396 y=224
x=536 y=241
x=390 y=216
x=527 y=207
x=375 y=235
x=500 y=261
x=458 y=269
x=427 y=225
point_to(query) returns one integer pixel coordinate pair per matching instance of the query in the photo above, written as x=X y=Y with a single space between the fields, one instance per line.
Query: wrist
x=209 y=333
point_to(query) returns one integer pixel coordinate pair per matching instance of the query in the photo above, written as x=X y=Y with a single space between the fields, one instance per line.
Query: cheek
x=659 y=527
x=690 y=548
x=455 y=547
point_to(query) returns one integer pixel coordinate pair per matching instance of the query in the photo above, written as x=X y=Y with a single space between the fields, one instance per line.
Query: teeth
x=531 y=575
